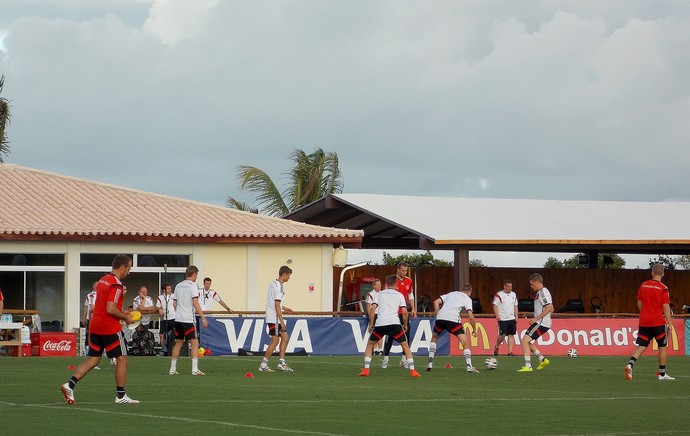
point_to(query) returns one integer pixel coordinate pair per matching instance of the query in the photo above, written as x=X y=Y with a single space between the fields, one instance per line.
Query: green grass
x=587 y=395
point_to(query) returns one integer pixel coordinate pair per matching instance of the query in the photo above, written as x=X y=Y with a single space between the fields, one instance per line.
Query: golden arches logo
x=474 y=340
x=671 y=342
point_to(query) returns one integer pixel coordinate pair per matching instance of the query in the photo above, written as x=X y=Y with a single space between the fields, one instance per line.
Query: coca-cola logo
x=57 y=346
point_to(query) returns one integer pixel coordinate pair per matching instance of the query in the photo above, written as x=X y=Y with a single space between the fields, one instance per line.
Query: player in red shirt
x=105 y=332
x=655 y=321
x=405 y=288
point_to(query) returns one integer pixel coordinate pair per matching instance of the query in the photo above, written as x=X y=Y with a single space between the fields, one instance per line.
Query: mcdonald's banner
x=590 y=336
x=315 y=335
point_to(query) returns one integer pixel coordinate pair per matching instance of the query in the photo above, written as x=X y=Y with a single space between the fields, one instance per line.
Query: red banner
x=55 y=344
x=589 y=336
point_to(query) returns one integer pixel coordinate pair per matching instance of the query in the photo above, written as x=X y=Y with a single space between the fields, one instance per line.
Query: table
x=17 y=328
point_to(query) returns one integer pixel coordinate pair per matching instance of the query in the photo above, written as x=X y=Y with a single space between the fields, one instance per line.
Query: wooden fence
x=617 y=288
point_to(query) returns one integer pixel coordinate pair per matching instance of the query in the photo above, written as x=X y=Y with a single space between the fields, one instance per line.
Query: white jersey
x=89 y=303
x=506 y=303
x=206 y=299
x=542 y=299
x=165 y=303
x=185 y=292
x=275 y=293
x=388 y=302
x=453 y=303
x=371 y=298
x=138 y=303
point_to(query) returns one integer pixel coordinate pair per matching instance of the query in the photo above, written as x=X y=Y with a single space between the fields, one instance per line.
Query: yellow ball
x=136 y=315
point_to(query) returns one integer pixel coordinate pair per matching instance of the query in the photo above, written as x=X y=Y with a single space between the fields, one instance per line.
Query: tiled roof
x=38 y=205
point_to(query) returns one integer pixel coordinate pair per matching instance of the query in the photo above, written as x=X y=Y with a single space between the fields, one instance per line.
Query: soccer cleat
x=173 y=372
x=472 y=370
x=666 y=377
x=265 y=368
x=511 y=354
x=384 y=364
x=284 y=367
x=543 y=364
x=68 y=393
x=197 y=372
x=414 y=373
x=430 y=366
x=403 y=363
x=628 y=372
x=495 y=351
x=125 y=400
x=364 y=373
x=525 y=369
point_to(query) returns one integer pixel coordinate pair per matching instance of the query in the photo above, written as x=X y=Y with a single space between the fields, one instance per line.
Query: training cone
x=249 y=375
x=208 y=351
x=71 y=367
x=448 y=365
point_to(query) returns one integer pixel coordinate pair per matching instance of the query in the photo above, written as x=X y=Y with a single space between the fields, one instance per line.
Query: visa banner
x=590 y=336
x=315 y=335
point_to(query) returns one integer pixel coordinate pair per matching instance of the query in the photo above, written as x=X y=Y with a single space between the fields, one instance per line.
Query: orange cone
x=249 y=375
x=448 y=365
x=71 y=367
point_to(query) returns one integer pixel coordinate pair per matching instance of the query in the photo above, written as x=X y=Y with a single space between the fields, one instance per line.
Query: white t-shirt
x=139 y=303
x=388 y=302
x=275 y=293
x=184 y=294
x=165 y=302
x=506 y=303
x=540 y=301
x=89 y=301
x=371 y=298
x=453 y=303
x=206 y=299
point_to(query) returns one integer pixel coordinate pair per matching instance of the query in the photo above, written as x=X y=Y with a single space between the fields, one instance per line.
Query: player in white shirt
x=89 y=303
x=166 y=312
x=275 y=323
x=448 y=310
x=540 y=324
x=206 y=298
x=506 y=309
x=384 y=320
x=144 y=304
x=185 y=302
x=371 y=298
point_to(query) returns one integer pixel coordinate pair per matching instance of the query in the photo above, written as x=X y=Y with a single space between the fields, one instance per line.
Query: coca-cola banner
x=55 y=344
x=589 y=336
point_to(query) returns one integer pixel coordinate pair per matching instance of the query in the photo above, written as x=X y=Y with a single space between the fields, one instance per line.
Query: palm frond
x=233 y=203
x=269 y=198
x=4 y=122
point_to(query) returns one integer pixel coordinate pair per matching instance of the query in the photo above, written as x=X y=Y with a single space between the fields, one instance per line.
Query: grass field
x=587 y=395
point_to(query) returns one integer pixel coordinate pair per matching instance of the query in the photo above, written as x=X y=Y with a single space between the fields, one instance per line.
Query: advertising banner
x=315 y=335
x=590 y=336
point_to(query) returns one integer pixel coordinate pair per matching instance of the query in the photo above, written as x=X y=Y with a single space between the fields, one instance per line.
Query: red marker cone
x=208 y=351
x=71 y=367
x=249 y=375
x=448 y=365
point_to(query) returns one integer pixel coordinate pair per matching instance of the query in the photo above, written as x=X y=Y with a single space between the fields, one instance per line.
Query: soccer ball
x=491 y=363
x=572 y=353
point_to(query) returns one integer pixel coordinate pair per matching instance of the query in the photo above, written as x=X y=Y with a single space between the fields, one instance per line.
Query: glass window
x=45 y=292
x=99 y=259
x=12 y=285
x=19 y=259
x=163 y=260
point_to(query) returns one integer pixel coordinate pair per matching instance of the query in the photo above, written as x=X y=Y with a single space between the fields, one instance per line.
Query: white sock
x=195 y=363
x=528 y=362
x=173 y=365
x=468 y=356
x=432 y=351
x=264 y=362
x=539 y=356
x=367 y=362
x=410 y=364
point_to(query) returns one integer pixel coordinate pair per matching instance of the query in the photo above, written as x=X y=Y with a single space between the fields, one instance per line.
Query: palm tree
x=4 y=122
x=313 y=176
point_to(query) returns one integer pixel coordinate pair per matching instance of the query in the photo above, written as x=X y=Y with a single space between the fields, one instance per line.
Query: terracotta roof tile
x=40 y=203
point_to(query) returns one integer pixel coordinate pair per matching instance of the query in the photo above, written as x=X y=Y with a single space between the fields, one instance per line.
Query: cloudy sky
x=532 y=99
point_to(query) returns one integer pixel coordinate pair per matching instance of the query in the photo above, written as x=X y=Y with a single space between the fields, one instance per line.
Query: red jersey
x=405 y=288
x=109 y=288
x=0 y=295
x=653 y=294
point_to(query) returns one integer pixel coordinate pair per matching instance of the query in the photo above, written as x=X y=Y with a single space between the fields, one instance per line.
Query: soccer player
x=405 y=288
x=275 y=322
x=371 y=298
x=384 y=320
x=506 y=310
x=540 y=324
x=206 y=299
x=106 y=332
x=655 y=322
x=185 y=302
x=89 y=303
x=448 y=310
x=166 y=312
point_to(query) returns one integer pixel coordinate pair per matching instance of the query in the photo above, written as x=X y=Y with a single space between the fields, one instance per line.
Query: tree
x=683 y=261
x=669 y=262
x=313 y=176
x=416 y=260
x=617 y=262
x=4 y=122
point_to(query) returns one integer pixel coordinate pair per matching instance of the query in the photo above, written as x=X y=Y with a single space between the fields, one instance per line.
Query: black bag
x=143 y=343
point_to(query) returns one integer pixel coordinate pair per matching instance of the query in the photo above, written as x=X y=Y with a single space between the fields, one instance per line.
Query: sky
x=569 y=100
